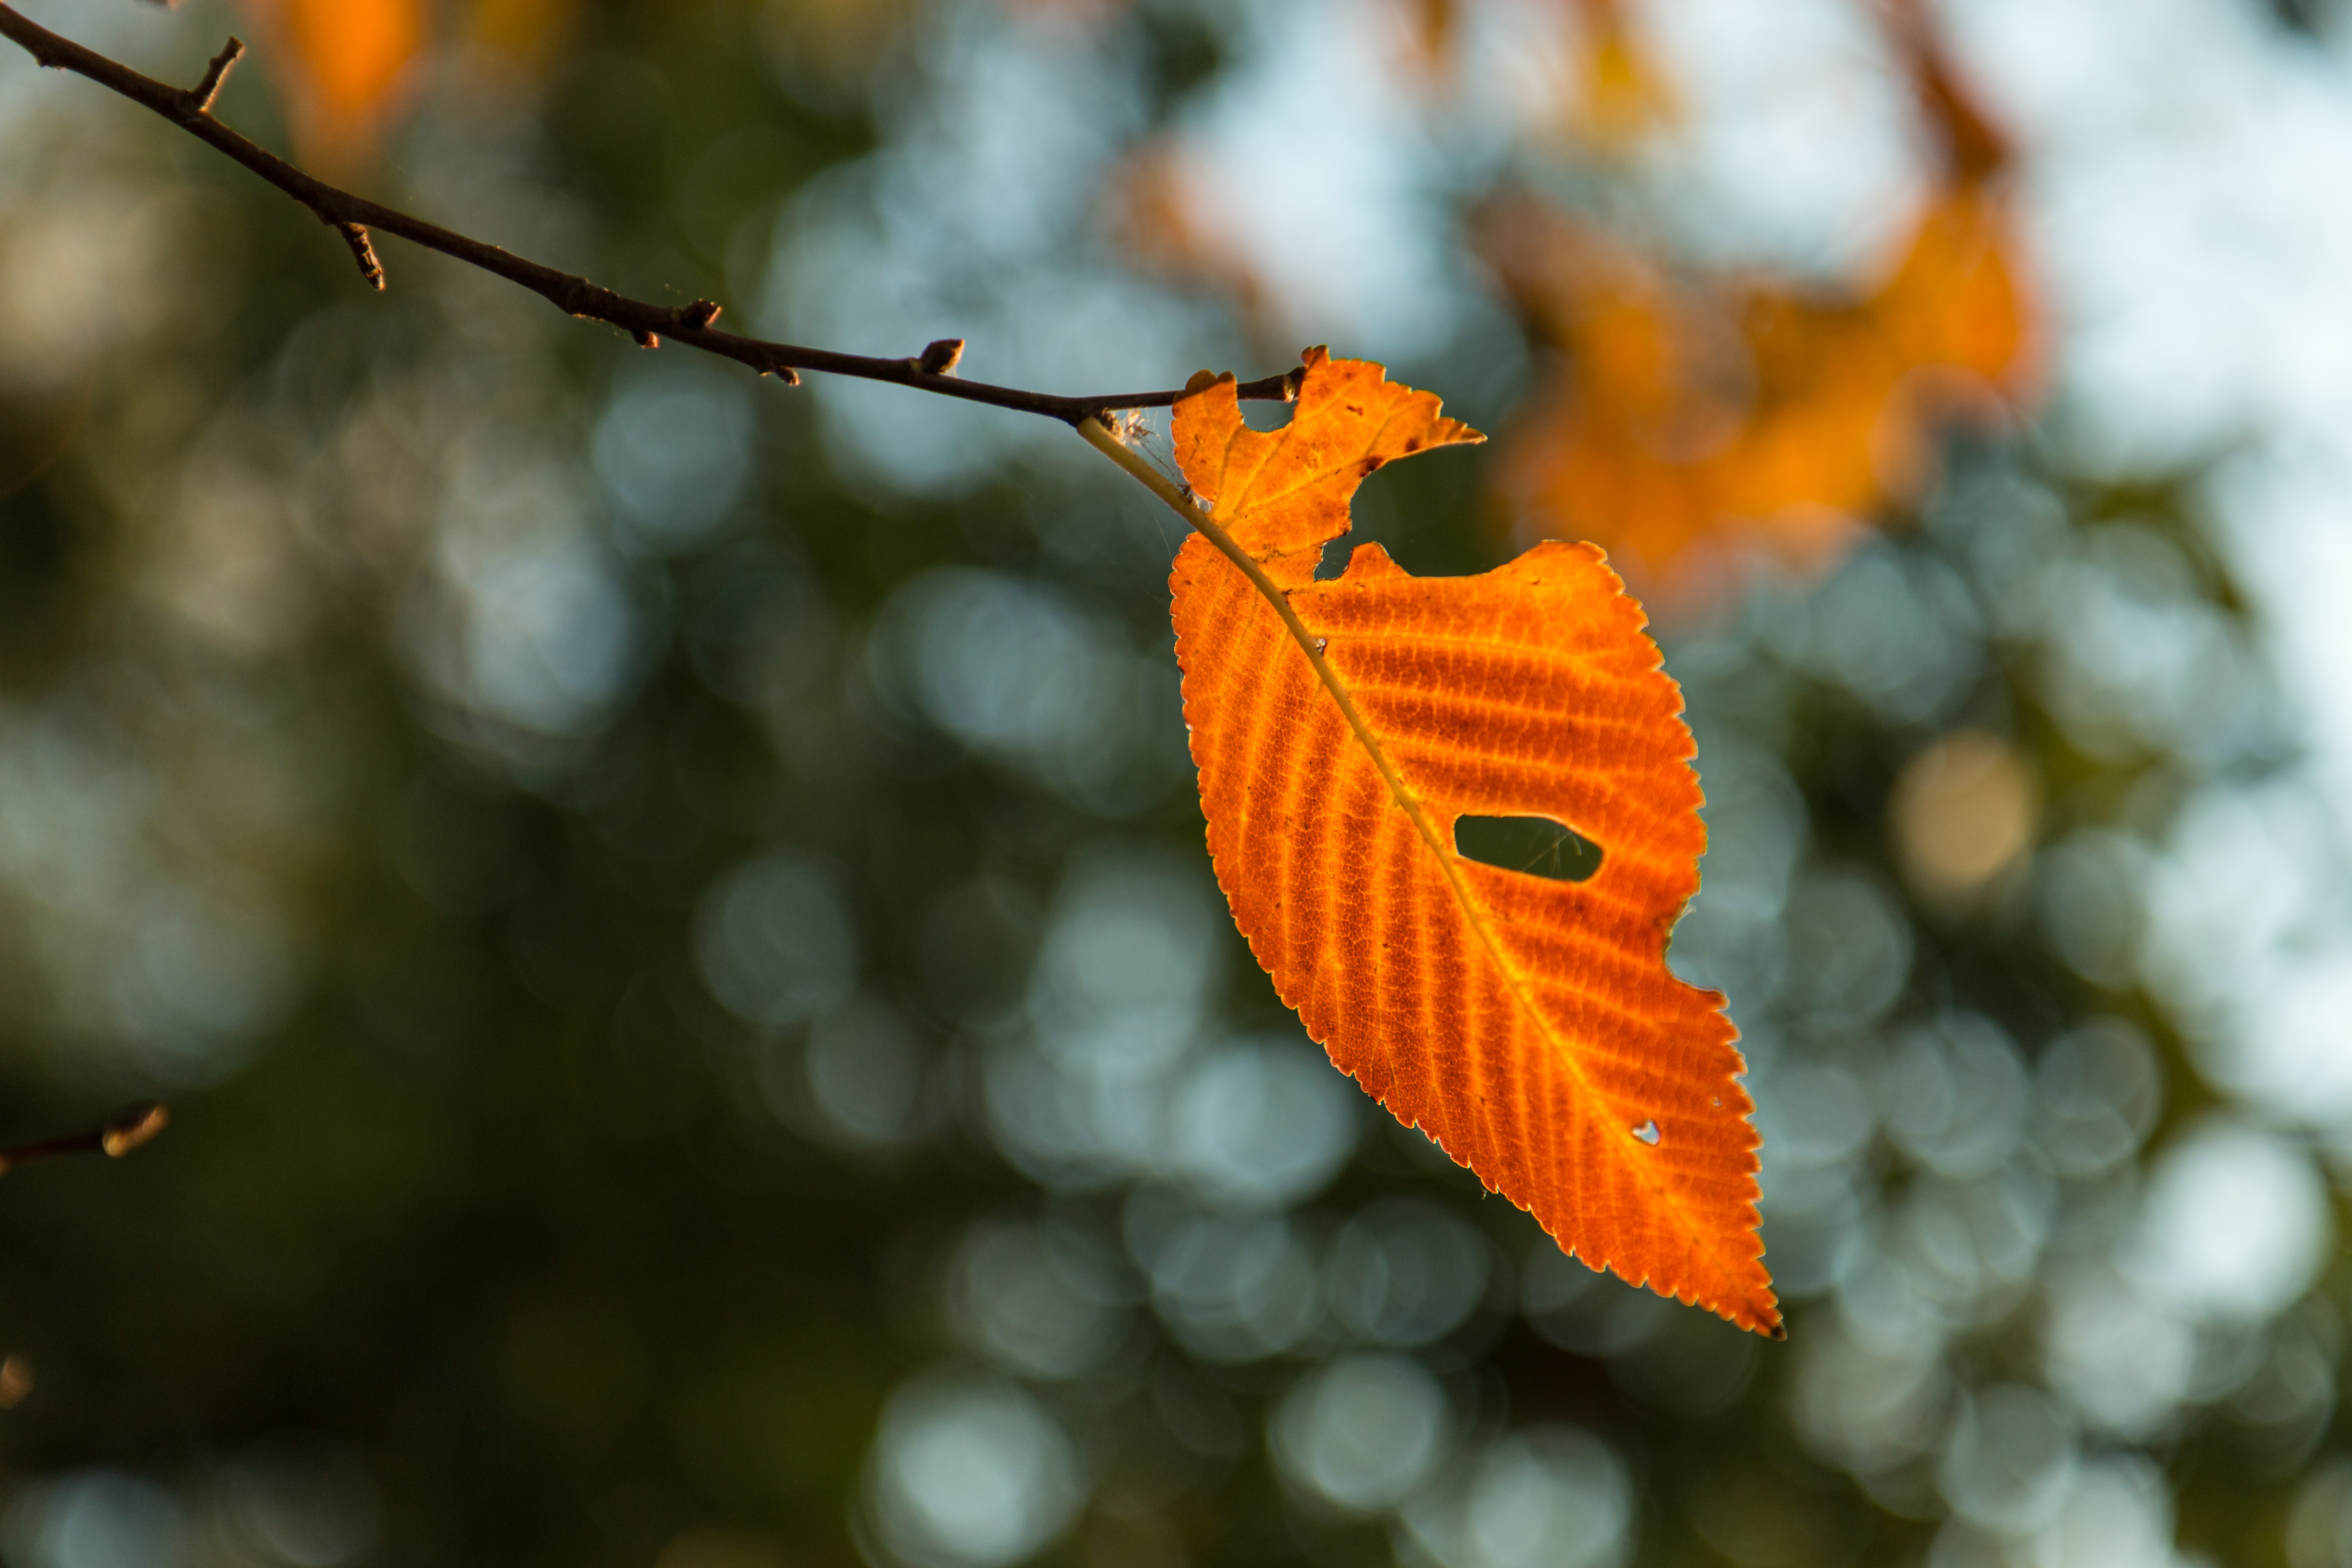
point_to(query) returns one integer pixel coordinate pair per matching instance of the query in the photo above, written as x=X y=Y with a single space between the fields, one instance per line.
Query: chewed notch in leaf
x=1344 y=731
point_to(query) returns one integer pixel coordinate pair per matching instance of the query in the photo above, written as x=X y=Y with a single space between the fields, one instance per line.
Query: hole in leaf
x=1535 y=844
x=1266 y=415
x=1648 y=1133
x=1334 y=560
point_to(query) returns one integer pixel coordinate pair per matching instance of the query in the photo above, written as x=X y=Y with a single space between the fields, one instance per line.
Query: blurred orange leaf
x=1343 y=728
x=1690 y=419
x=340 y=64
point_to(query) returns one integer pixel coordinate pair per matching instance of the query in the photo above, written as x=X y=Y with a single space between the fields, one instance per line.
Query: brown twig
x=355 y=234
x=354 y=216
x=115 y=1137
x=216 y=74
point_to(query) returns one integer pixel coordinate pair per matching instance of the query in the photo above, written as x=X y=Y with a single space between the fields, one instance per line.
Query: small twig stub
x=216 y=74
x=355 y=234
x=115 y=1137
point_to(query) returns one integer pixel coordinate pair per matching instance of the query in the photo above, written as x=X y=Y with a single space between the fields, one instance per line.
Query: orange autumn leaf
x=1750 y=416
x=340 y=64
x=1342 y=728
x=1692 y=419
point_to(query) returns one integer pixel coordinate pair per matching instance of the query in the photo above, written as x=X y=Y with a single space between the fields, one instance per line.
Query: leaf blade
x=1530 y=1026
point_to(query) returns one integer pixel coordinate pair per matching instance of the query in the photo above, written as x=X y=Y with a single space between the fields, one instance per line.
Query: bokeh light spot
x=968 y=1473
x=1359 y=1433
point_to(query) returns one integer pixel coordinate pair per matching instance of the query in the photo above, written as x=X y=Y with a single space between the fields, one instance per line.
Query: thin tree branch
x=115 y=1137
x=354 y=217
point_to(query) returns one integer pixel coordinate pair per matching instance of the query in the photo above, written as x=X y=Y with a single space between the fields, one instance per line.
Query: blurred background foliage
x=671 y=911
